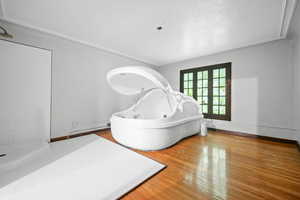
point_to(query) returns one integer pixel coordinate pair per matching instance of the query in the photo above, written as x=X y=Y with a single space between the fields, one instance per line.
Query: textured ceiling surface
x=190 y=28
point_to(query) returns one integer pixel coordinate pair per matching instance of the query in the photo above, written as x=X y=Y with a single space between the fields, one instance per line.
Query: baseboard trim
x=268 y=138
x=298 y=145
x=77 y=135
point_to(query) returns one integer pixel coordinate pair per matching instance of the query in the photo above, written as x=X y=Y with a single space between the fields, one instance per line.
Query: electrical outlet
x=75 y=124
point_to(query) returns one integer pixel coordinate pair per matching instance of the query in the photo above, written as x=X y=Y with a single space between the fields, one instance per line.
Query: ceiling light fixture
x=159 y=28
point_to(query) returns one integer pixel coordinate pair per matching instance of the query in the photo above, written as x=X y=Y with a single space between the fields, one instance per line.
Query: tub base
x=150 y=139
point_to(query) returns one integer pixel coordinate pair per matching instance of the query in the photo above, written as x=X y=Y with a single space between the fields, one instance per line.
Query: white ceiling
x=191 y=28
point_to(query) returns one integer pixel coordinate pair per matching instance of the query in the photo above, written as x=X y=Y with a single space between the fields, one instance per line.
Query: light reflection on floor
x=211 y=174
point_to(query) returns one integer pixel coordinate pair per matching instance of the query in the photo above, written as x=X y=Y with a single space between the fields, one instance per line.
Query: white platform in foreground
x=89 y=167
x=16 y=154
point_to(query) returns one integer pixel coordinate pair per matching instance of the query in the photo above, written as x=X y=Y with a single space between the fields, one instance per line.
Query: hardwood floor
x=222 y=166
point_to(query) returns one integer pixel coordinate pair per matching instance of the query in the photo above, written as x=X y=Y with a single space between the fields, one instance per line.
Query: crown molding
x=54 y=33
x=288 y=8
x=221 y=51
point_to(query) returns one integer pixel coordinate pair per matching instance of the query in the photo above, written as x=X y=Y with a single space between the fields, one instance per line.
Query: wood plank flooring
x=222 y=166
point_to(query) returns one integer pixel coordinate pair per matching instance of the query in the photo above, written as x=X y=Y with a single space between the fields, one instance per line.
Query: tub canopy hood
x=131 y=80
x=159 y=118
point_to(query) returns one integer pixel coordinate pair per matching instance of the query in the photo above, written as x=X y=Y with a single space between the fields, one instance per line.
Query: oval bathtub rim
x=156 y=123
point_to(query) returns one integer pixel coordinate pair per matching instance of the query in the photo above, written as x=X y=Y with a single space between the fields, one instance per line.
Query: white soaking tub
x=160 y=118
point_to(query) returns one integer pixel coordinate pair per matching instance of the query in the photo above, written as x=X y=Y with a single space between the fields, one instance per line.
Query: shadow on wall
x=260 y=102
x=265 y=92
x=261 y=88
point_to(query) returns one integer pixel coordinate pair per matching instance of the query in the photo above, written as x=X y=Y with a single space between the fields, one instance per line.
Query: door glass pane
x=222 y=82
x=216 y=100
x=186 y=91
x=222 y=100
x=216 y=83
x=185 y=84
x=200 y=92
x=200 y=100
x=222 y=110
x=216 y=110
x=190 y=76
x=216 y=73
x=205 y=92
x=185 y=77
x=216 y=91
x=204 y=108
x=200 y=83
x=223 y=72
x=205 y=100
x=190 y=93
x=222 y=91
x=205 y=75
x=199 y=75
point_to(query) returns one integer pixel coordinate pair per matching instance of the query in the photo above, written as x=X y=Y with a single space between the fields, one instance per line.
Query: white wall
x=294 y=35
x=81 y=97
x=1 y=10
x=261 y=87
x=25 y=90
